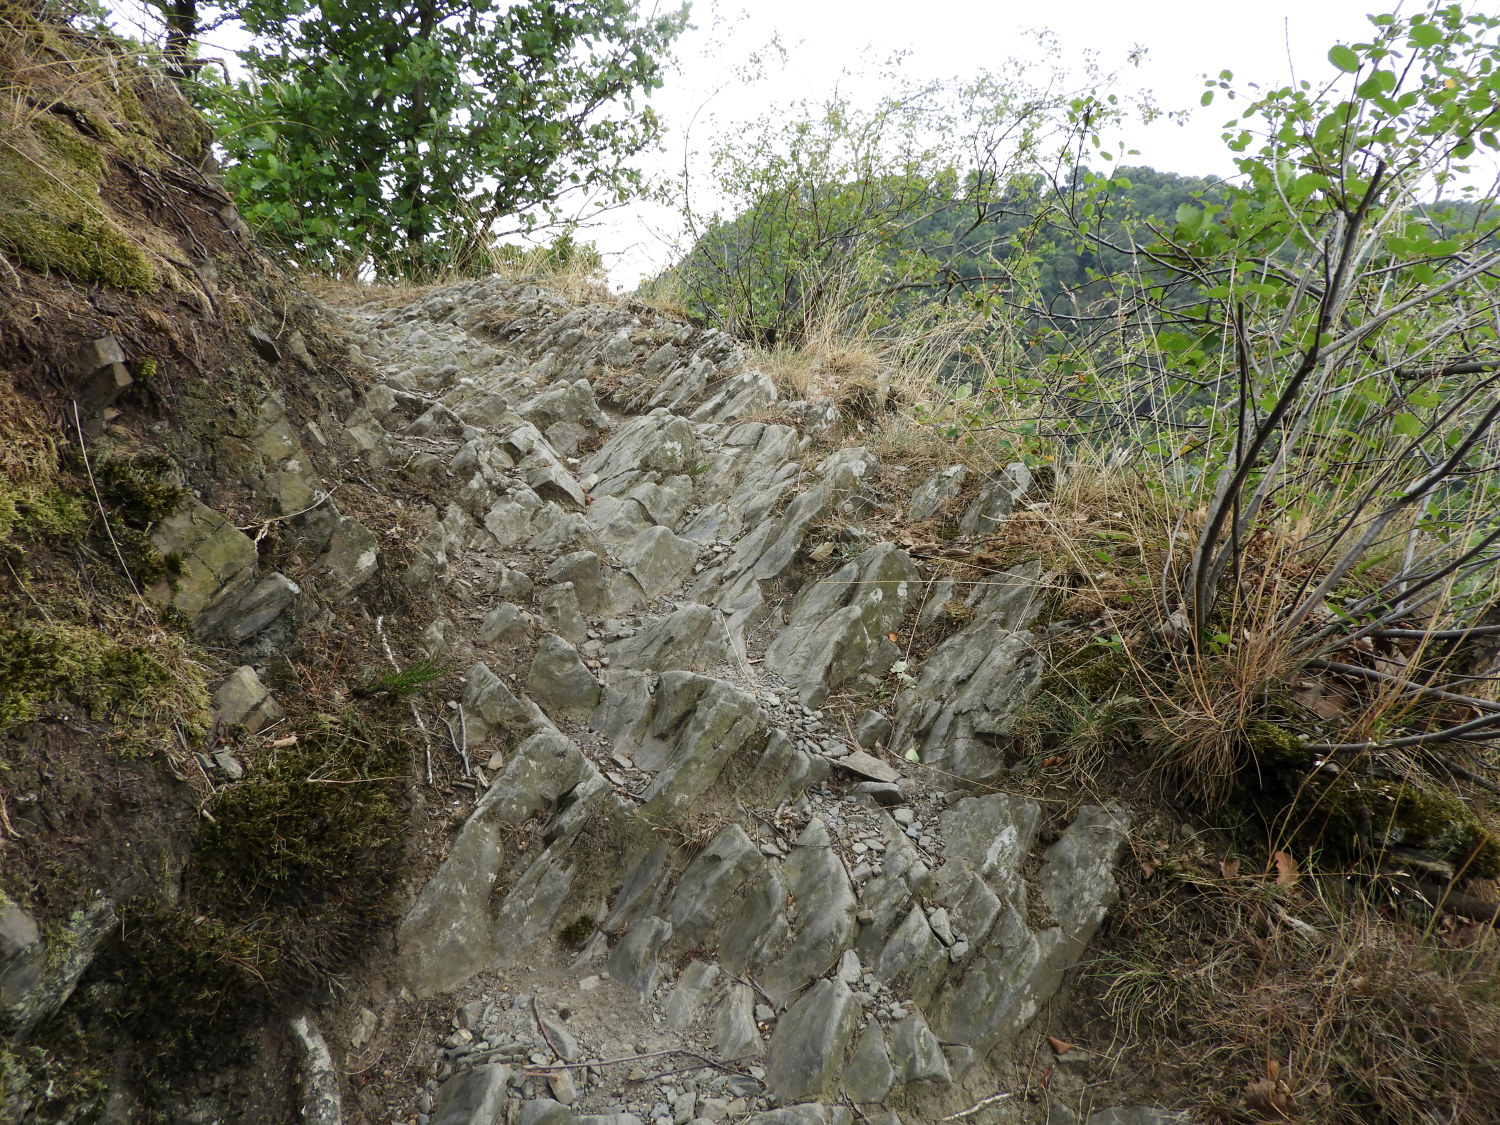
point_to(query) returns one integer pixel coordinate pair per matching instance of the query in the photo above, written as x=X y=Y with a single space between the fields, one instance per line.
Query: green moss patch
x=301 y=849
x=1382 y=813
x=50 y=220
x=145 y=679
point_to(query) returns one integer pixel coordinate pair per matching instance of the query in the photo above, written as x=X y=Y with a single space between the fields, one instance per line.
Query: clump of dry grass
x=1264 y=997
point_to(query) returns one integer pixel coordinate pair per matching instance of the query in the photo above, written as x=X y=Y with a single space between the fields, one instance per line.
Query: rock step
x=827 y=921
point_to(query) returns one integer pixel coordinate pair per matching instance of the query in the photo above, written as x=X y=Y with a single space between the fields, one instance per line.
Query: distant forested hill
x=874 y=252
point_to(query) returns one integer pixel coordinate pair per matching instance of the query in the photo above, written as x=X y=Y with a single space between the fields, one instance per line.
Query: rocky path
x=710 y=876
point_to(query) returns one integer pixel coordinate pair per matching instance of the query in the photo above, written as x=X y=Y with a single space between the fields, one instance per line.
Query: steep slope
x=695 y=848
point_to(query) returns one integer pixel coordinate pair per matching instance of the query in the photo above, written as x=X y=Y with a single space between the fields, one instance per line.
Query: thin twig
x=1405 y=684
x=415 y=714
x=461 y=740
x=976 y=1107
x=84 y=449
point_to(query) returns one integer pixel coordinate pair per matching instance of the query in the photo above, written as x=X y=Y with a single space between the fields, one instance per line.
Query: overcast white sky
x=1265 y=41
x=1268 y=41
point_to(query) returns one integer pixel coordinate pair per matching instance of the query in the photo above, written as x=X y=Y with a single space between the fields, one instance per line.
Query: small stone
x=957 y=951
x=684 y=1108
x=849 y=967
x=938 y=920
x=229 y=764
x=764 y=1013
x=903 y=816
x=460 y=1038
x=364 y=1027
x=470 y=1014
x=872 y=729
x=563 y=1088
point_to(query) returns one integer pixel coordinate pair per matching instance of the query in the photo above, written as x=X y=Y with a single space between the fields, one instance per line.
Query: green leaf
x=1426 y=35
x=1343 y=58
x=1407 y=425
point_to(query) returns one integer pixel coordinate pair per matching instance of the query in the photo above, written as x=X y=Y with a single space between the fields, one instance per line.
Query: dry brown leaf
x=1060 y=1046
x=1229 y=868
x=894 y=638
x=1322 y=701
x=1287 y=871
x=1270 y=1100
x=1148 y=868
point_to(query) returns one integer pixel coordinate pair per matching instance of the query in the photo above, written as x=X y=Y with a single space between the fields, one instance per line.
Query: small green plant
x=577 y=932
x=411 y=680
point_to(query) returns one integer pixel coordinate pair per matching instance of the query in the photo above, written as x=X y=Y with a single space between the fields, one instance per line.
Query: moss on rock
x=1349 y=808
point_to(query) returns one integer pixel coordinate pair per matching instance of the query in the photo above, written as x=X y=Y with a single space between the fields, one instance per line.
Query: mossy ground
x=56 y=154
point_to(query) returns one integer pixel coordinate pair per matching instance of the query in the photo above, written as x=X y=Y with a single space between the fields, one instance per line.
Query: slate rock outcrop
x=619 y=514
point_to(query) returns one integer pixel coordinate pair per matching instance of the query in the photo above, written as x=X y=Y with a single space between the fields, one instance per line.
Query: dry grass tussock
x=1236 y=978
x=575 y=273
x=1270 y=996
x=1116 y=541
x=28 y=445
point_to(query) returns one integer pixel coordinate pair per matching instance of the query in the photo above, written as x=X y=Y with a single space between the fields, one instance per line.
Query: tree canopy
x=396 y=136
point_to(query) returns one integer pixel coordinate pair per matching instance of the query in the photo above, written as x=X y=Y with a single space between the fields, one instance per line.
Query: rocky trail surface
x=740 y=848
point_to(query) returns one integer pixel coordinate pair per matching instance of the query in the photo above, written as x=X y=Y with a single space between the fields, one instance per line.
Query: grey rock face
x=915 y=1053
x=559 y=679
x=583 y=570
x=450 y=933
x=839 y=627
x=691 y=638
x=473 y=1097
x=506 y=624
x=658 y=561
x=351 y=556
x=808 y=1047
x=243 y=699
x=762 y=877
x=873 y=729
x=994 y=504
x=561 y=613
x=633 y=962
x=218 y=559
x=975 y=682
x=68 y=948
x=869 y=1076
x=21 y=954
x=824 y=920
x=240 y=618
x=707 y=885
x=933 y=492
x=490 y=706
